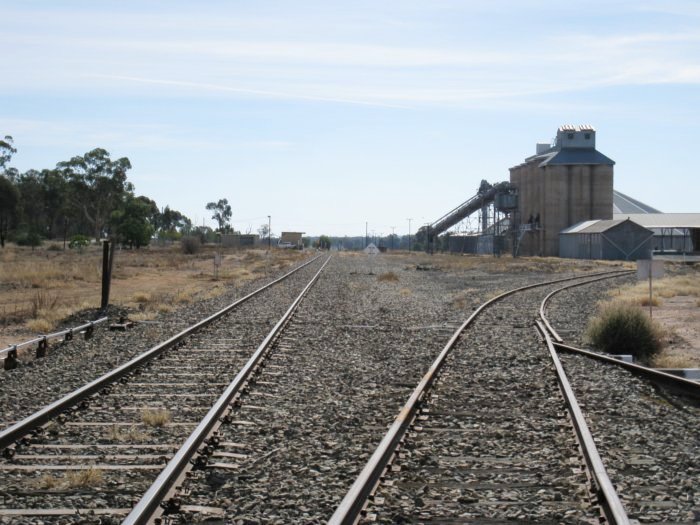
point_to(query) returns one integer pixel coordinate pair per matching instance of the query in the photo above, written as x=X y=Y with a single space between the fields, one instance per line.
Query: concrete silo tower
x=561 y=185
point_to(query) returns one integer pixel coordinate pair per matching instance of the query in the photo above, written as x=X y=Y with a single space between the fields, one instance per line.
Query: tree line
x=85 y=197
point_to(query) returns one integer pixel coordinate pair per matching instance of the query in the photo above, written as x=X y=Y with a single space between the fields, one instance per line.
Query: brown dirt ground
x=680 y=316
x=147 y=281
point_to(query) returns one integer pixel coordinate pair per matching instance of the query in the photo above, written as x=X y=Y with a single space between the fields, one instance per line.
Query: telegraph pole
x=269 y=232
x=392 y=237
x=409 y=233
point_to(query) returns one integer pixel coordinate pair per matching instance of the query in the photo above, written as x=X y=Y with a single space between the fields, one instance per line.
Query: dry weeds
x=388 y=277
x=47 y=482
x=89 y=477
x=40 y=288
x=130 y=435
x=676 y=314
x=654 y=301
x=157 y=417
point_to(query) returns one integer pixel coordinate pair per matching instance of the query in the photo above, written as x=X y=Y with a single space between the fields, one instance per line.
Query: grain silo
x=561 y=185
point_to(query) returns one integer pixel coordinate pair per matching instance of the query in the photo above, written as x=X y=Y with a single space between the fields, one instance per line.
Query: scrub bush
x=624 y=328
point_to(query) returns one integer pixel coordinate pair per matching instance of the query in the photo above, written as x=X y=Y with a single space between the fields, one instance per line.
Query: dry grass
x=39 y=326
x=130 y=435
x=645 y=301
x=47 y=482
x=157 y=417
x=388 y=277
x=405 y=292
x=40 y=288
x=668 y=360
x=671 y=286
x=90 y=477
x=142 y=297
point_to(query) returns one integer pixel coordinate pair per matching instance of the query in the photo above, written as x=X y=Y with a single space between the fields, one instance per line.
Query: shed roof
x=579 y=226
x=597 y=226
x=662 y=220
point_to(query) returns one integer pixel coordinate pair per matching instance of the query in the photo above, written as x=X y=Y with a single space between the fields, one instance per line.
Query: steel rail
x=54 y=335
x=675 y=383
x=10 y=434
x=144 y=510
x=543 y=305
x=349 y=509
x=607 y=495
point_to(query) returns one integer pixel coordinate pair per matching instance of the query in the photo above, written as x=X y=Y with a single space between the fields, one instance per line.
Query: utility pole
x=409 y=233
x=366 y=233
x=392 y=237
x=269 y=232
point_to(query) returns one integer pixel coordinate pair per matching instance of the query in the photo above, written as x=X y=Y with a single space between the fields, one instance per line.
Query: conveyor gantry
x=485 y=195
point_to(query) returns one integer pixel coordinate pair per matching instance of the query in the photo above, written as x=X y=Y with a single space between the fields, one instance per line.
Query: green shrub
x=29 y=239
x=190 y=245
x=78 y=241
x=623 y=328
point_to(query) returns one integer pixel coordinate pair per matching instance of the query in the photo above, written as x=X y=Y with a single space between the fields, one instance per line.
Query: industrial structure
x=561 y=185
x=612 y=239
x=561 y=202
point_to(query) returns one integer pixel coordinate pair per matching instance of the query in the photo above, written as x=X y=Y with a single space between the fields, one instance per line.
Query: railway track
x=92 y=454
x=486 y=437
x=293 y=437
x=645 y=422
x=287 y=438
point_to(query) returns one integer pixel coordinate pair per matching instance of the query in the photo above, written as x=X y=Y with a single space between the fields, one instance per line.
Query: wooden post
x=650 y=297
x=106 y=274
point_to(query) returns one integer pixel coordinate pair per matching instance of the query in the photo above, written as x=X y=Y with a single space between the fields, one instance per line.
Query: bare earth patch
x=680 y=316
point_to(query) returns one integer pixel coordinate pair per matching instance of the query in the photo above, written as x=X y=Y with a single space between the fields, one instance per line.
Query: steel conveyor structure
x=485 y=195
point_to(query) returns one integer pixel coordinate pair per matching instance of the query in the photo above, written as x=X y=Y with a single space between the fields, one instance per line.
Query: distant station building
x=238 y=240
x=561 y=185
x=291 y=240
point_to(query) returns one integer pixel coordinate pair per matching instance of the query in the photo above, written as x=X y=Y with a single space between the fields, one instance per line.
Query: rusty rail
x=150 y=503
x=608 y=499
x=350 y=508
x=673 y=382
x=42 y=340
x=11 y=434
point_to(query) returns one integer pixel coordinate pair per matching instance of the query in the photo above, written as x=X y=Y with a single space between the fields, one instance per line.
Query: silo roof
x=576 y=156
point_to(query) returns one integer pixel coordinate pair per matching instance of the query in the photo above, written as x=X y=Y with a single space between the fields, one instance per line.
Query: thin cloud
x=245 y=91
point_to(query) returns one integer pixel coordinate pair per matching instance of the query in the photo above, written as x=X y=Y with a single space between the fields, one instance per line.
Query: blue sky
x=328 y=114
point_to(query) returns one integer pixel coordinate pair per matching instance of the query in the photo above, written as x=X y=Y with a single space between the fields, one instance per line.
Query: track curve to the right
x=648 y=436
x=492 y=441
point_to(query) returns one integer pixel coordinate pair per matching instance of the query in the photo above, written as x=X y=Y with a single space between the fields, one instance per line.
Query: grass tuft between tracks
x=158 y=417
x=89 y=477
x=130 y=435
x=624 y=328
x=84 y=478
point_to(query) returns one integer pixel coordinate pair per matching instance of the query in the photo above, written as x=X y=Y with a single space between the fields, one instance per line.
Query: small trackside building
x=622 y=240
